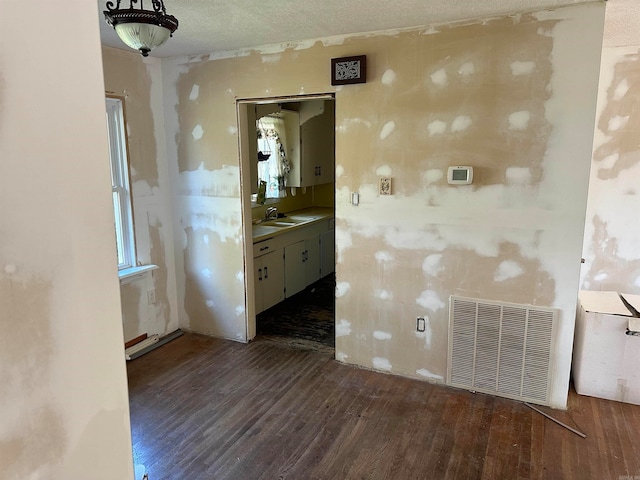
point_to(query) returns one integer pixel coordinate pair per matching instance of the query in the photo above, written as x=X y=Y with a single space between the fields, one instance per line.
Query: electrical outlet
x=420 y=324
x=151 y=297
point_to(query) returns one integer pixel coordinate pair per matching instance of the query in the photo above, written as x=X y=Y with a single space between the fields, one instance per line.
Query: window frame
x=120 y=182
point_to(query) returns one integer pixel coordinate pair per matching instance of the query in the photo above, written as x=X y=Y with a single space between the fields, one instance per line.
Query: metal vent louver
x=503 y=349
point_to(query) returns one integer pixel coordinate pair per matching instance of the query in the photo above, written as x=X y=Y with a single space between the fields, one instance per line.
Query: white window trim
x=128 y=275
x=123 y=210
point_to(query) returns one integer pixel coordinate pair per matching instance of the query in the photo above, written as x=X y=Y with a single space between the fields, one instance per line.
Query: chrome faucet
x=271 y=213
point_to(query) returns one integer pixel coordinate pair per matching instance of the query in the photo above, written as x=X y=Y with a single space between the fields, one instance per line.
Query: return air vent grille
x=501 y=348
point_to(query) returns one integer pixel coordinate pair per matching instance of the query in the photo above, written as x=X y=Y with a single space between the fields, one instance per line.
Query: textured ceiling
x=622 y=23
x=208 y=26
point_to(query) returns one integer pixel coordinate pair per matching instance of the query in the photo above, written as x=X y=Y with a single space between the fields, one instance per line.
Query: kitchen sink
x=283 y=222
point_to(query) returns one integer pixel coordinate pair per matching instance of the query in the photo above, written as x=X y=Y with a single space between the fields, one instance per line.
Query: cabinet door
x=328 y=252
x=257 y=282
x=317 y=138
x=294 y=265
x=326 y=159
x=312 y=259
x=292 y=132
x=272 y=278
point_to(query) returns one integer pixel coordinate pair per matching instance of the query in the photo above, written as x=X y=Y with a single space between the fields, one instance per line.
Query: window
x=273 y=165
x=120 y=184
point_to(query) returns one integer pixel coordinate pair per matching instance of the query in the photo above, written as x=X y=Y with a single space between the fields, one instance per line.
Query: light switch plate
x=385 y=186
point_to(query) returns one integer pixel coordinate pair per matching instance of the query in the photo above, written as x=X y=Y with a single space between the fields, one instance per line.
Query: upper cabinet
x=316 y=163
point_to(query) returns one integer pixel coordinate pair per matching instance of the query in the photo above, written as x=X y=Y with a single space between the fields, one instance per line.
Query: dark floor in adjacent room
x=204 y=408
x=308 y=315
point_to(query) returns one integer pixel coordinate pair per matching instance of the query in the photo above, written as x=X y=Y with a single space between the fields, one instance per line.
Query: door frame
x=242 y=108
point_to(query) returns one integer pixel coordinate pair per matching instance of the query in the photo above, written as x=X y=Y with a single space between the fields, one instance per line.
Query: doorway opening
x=287 y=148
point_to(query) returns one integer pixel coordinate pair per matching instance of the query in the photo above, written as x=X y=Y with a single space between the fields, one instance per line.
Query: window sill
x=128 y=275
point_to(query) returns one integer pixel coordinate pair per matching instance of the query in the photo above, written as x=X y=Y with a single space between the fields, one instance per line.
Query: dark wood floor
x=204 y=408
x=308 y=315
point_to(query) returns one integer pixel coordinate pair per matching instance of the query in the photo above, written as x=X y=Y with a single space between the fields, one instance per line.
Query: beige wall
x=612 y=233
x=509 y=96
x=138 y=81
x=64 y=404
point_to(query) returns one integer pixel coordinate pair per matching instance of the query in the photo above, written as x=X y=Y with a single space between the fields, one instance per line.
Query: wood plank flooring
x=204 y=408
x=309 y=315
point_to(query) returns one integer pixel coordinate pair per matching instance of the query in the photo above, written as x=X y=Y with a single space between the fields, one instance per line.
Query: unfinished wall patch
x=518 y=175
x=427 y=335
x=430 y=300
x=342 y=288
x=39 y=439
x=437 y=127
x=508 y=269
x=384 y=171
x=383 y=294
x=388 y=77
x=519 y=120
x=618 y=122
x=387 y=129
x=461 y=123
x=343 y=328
x=439 y=78
x=522 y=68
x=423 y=372
x=432 y=264
x=380 y=335
x=384 y=256
x=621 y=89
x=349 y=124
x=206 y=273
x=381 y=363
x=195 y=92
x=432 y=175
x=197 y=132
x=466 y=69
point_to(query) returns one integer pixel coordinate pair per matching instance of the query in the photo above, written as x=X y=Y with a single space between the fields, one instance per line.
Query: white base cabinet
x=269 y=279
x=312 y=260
x=327 y=252
x=294 y=268
x=288 y=262
x=302 y=265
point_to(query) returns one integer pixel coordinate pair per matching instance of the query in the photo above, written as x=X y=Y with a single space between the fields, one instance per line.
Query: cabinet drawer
x=264 y=247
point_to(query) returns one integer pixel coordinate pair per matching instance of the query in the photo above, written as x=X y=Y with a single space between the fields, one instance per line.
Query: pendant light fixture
x=141 y=29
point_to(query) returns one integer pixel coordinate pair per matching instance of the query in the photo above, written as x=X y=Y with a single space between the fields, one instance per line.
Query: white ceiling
x=208 y=26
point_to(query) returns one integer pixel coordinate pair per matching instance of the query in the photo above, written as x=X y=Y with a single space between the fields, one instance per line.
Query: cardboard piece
x=605 y=358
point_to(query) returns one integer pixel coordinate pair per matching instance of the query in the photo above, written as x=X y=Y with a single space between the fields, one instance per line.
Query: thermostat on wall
x=460 y=175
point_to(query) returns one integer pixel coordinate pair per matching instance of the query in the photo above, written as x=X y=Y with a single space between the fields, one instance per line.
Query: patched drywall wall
x=64 y=401
x=506 y=95
x=612 y=236
x=138 y=81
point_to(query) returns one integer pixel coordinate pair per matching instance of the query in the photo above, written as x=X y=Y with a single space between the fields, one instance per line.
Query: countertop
x=292 y=221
